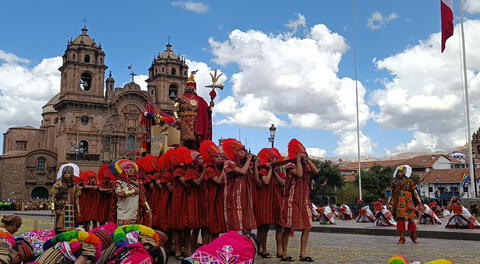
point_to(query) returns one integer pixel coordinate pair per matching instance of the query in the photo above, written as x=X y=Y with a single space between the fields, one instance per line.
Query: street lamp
x=272 y=134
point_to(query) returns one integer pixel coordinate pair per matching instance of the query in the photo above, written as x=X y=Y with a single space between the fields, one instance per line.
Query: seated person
x=365 y=215
x=428 y=217
x=384 y=217
x=232 y=246
x=460 y=217
x=345 y=212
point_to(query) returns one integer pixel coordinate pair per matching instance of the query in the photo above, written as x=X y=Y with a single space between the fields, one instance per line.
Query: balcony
x=82 y=156
x=447 y=195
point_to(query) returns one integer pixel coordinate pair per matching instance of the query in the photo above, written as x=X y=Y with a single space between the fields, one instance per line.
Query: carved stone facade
x=89 y=122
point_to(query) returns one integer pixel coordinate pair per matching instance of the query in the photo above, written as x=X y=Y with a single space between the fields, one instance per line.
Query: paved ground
x=344 y=248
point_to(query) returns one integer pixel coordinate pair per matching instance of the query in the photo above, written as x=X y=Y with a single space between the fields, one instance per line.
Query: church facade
x=89 y=122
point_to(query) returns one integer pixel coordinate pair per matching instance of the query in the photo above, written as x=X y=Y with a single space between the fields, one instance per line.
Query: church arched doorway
x=40 y=192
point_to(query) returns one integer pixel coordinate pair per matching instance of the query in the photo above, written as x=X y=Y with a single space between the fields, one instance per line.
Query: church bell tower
x=83 y=70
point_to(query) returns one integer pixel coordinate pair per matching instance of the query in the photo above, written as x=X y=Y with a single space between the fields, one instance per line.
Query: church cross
x=84 y=22
x=131 y=72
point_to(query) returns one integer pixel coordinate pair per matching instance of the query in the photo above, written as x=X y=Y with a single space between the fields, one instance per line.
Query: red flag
x=446 y=10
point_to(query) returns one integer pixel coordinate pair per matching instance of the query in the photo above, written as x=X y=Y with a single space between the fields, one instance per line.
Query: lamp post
x=272 y=134
x=438 y=190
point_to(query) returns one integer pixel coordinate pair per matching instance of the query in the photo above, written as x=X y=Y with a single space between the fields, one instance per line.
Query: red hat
x=230 y=146
x=267 y=154
x=294 y=148
x=208 y=150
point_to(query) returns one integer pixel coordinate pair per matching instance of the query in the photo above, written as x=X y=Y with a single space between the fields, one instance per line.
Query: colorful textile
x=402 y=198
x=365 y=215
x=230 y=248
x=36 y=239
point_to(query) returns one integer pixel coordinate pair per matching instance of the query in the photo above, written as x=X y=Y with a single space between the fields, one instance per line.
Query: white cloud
x=472 y=6
x=24 y=90
x=316 y=152
x=196 y=7
x=140 y=80
x=347 y=145
x=377 y=20
x=294 y=77
x=425 y=92
x=295 y=24
x=12 y=58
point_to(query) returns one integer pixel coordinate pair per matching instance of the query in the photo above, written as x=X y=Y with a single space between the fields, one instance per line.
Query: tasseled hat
x=294 y=148
x=267 y=154
x=230 y=146
x=208 y=150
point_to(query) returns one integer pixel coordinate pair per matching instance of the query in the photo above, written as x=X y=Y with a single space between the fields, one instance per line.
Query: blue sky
x=209 y=31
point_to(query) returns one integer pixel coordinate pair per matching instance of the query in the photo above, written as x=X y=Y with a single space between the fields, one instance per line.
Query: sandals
x=289 y=259
x=265 y=255
x=305 y=259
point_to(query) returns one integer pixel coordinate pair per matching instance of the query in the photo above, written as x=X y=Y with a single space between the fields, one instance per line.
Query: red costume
x=89 y=198
x=193 y=209
x=105 y=204
x=238 y=190
x=296 y=209
x=165 y=212
x=213 y=191
x=269 y=197
x=178 y=215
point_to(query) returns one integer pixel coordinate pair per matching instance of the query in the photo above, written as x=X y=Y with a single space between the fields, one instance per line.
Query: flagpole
x=467 y=107
x=359 y=171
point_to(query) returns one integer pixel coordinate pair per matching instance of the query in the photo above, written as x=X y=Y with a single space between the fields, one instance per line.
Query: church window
x=185 y=73
x=106 y=141
x=41 y=164
x=21 y=145
x=130 y=143
x=73 y=56
x=101 y=60
x=84 y=120
x=83 y=147
x=86 y=81
x=174 y=71
x=163 y=69
x=86 y=58
x=172 y=92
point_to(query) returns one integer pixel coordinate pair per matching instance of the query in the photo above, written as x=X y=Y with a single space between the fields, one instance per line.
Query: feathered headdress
x=85 y=176
x=118 y=167
x=190 y=156
x=267 y=154
x=294 y=148
x=104 y=172
x=167 y=159
x=191 y=79
x=147 y=163
x=230 y=146
x=208 y=150
x=178 y=156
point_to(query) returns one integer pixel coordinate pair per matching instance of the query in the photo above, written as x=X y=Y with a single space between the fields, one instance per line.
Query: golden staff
x=214 y=85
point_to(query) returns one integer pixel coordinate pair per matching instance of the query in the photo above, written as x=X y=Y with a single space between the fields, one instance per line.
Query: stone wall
x=12 y=175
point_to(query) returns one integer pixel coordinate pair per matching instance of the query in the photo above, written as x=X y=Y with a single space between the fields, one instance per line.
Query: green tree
x=326 y=182
x=375 y=182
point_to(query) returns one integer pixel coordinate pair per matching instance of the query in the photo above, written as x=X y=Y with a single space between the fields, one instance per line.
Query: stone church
x=89 y=122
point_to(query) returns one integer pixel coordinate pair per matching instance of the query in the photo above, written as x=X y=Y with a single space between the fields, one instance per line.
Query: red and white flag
x=446 y=10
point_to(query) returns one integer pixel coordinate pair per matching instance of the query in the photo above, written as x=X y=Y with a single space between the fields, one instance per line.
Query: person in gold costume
x=402 y=202
x=194 y=116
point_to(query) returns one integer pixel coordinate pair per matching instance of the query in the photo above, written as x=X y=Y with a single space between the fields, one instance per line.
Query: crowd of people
x=194 y=196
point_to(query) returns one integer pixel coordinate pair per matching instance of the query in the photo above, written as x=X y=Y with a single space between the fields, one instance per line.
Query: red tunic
x=268 y=201
x=104 y=205
x=152 y=193
x=296 y=209
x=88 y=205
x=193 y=199
x=215 y=217
x=178 y=215
x=165 y=202
x=238 y=199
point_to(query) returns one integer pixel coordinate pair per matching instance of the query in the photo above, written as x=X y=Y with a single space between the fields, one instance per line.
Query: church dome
x=84 y=39
x=168 y=54
x=48 y=108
